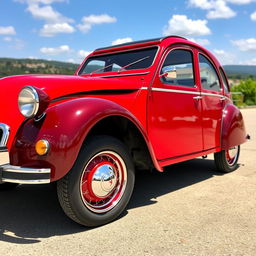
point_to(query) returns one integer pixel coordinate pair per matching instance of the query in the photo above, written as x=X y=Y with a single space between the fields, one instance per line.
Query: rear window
x=138 y=59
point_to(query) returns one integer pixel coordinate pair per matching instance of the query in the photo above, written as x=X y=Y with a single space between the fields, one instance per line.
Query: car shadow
x=31 y=212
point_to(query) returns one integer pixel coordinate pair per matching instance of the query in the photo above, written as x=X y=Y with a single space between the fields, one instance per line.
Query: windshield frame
x=110 y=73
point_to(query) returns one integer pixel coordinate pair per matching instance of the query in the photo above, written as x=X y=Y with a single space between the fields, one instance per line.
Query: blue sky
x=68 y=30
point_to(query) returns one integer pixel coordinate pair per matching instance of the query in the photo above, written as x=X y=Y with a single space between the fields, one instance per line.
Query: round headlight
x=28 y=102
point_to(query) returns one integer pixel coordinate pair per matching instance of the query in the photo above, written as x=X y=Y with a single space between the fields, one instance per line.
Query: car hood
x=61 y=85
x=56 y=86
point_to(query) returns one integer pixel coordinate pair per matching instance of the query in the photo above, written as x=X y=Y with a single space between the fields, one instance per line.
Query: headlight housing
x=32 y=101
x=28 y=102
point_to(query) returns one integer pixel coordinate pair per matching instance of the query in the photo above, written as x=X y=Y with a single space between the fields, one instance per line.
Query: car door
x=212 y=101
x=174 y=106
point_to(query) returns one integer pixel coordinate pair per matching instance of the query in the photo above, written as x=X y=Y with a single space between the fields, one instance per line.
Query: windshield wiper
x=99 y=69
x=130 y=64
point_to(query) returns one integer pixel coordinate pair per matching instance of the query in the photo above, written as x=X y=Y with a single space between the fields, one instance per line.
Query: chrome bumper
x=17 y=174
x=22 y=175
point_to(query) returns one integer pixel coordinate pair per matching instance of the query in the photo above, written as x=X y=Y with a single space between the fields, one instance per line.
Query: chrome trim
x=6 y=132
x=143 y=88
x=175 y=91
x=197 y=97
x=212 y=94
x=27 y=181
x=119 y=75
x=18 y=169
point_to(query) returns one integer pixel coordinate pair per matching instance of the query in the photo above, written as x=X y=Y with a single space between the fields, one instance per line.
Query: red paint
x=176 y=126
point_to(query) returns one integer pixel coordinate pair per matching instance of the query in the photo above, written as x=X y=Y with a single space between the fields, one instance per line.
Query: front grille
x=4 y=134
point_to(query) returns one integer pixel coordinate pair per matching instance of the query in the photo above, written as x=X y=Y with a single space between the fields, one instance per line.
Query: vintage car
x=140 y=105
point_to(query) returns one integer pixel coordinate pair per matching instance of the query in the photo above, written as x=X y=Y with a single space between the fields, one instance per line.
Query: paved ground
x=189 y=210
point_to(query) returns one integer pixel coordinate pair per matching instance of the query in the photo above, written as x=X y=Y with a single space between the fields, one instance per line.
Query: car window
x=208 y=75
x=120 y=61
x=225 y=82
x=178 y=66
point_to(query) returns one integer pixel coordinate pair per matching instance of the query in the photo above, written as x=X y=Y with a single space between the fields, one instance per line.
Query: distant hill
x=10 y=67
x=240 y=71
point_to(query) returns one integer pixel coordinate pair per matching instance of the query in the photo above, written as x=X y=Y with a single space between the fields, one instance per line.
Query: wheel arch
x=233 y=131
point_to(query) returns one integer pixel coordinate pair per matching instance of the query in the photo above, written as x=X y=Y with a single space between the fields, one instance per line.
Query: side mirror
x=170 y=72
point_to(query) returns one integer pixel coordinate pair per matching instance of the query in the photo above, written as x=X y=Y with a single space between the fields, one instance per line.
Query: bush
x=248 y=88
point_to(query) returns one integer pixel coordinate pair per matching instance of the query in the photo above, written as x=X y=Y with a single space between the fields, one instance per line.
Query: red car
x=140 y=105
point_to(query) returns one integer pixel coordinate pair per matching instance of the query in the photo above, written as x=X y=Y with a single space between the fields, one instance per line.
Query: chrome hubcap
x=231 y=155
x=103 y=181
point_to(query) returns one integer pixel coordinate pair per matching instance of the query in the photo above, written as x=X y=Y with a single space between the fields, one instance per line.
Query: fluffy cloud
x=225 y=57
x=47 y=13
x=245 y=44
x=50 y=30
x=56 y=51
x=182 y=26
x=89 y=21
x=9 y=30
x=122 y=40
x=200 y=41
x=40 y=1
x=83 y=53
x=249 y=62
x=253 y=16
x=215 y=9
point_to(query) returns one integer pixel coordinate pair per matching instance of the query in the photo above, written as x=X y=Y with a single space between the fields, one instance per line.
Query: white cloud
x=182 y=26
x=249 y=62
x=253 y=16
x=200 y=41
x=9 y=30
x=89 y=21
x=83 y=53
x=245 y=44
x=55 y=51
x=50 y=30
x=216 y=9
x=7 y=39
x=47 y=13
x=225 y=57
x=122 y=40
x=240 y=1
x=40 y=1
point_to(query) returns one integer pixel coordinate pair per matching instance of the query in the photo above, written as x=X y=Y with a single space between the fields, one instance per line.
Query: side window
x=208 y=75
x=225 y=82
x=178 y=67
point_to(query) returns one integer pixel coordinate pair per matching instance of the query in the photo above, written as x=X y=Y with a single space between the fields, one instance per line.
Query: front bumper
x=17 y=174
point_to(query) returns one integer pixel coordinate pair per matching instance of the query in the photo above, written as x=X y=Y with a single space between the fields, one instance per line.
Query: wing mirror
x=169 y=71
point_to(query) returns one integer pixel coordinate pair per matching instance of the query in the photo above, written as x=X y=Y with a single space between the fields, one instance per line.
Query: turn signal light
x=42 y=147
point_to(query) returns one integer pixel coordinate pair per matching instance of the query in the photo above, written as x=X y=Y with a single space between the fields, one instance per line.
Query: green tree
x=248 y=88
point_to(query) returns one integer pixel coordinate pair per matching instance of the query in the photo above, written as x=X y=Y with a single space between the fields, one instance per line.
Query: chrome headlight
x=28 y=102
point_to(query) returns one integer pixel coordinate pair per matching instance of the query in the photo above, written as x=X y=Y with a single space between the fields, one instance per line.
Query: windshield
x=138 y=59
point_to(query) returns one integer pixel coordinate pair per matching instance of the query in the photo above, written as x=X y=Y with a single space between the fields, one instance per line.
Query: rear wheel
x=99 y=186
x=227 y=160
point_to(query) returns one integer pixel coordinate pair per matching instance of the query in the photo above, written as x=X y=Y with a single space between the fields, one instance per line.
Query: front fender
x=233 y=128
x=65 y=126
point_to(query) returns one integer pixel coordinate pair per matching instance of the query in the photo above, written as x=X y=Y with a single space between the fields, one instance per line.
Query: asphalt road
x=188 y=210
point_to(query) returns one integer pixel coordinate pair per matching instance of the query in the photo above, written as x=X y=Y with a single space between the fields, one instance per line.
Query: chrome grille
x=4 y=134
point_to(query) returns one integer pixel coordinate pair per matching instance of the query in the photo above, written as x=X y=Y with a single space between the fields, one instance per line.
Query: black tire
x=224 y=162
x=8 y=186
x=78 y=191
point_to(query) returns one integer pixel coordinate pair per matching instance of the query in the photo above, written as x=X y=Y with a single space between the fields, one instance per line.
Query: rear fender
x=233 y=128
x=65 y=126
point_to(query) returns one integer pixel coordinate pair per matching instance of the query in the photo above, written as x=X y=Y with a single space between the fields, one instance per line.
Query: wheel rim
x=231 y=155
x=103 y=181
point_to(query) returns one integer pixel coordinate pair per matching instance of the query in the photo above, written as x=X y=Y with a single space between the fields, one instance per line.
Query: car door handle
x=222 y=98
x=197 y=98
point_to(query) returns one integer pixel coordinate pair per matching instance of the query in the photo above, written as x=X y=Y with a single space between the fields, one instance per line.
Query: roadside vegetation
x=244 y=94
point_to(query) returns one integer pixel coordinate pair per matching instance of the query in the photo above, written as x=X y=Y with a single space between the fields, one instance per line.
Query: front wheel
x=227 y=160
x=98 y=188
